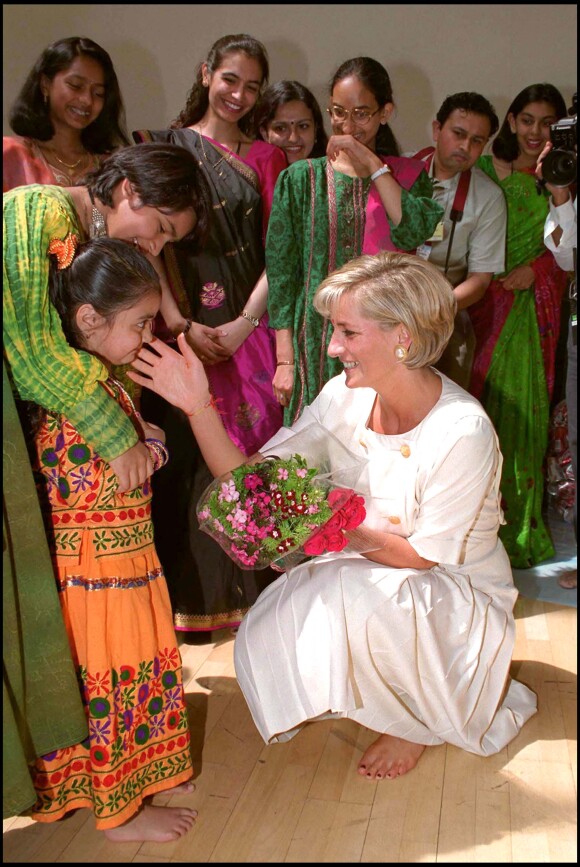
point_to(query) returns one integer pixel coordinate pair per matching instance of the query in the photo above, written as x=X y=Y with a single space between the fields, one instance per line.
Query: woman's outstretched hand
x=179 y=377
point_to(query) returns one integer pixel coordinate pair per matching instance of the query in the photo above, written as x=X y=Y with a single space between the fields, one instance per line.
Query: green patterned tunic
x=43 y=367
x=315 y=227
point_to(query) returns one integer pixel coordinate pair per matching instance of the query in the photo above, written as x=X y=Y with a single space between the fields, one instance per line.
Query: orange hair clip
x=64 y=250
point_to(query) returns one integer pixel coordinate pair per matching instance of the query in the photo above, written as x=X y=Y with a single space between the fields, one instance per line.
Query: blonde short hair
x=394 y=289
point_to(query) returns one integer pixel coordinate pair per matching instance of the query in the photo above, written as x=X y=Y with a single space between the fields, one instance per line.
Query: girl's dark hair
x=505 y=144
x=198 y=98
x=375 y=78
x=105 y=272
x=30 y=114
x=164 y=176
x=280 y=93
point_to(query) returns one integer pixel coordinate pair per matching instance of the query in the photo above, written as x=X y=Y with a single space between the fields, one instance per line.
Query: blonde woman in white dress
x=410 y=629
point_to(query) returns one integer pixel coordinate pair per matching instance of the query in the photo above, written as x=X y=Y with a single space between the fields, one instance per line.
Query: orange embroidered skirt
x=118 y=617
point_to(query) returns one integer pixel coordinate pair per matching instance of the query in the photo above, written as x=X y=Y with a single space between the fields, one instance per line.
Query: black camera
x=559 y=167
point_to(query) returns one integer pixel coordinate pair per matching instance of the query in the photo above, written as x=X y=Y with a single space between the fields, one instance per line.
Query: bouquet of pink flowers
x=262 y=512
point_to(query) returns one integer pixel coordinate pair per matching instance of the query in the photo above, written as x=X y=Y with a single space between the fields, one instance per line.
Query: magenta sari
x=208 y=590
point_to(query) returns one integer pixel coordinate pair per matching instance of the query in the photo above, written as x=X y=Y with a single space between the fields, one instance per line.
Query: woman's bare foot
x=389 y=757
x=155 y=824
x=568 y=580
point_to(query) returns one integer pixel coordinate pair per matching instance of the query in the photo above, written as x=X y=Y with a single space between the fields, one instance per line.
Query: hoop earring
x=401 y=352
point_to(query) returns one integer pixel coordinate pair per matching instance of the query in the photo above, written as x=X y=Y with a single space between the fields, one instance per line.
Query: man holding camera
x=469 y=243
x=558 y=174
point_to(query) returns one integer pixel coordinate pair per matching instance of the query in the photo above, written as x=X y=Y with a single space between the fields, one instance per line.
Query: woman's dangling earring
x=401 y=352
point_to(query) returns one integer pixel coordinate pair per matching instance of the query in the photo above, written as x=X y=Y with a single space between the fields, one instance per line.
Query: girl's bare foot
x=389 y=757
x=155 y=824
x=183 y=789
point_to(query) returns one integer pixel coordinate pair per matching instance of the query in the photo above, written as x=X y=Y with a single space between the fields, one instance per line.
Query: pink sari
x=23 y=164
x=377 y=235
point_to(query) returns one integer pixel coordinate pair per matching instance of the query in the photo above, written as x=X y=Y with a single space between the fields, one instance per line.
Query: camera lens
x=559 y=168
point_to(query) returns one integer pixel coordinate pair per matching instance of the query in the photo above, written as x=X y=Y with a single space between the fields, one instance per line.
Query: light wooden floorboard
x=303 y=801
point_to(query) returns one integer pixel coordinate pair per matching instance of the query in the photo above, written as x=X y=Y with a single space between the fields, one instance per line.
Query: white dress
x=420 y=654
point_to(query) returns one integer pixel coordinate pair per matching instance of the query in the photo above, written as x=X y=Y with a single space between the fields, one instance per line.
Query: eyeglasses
x=360 y=116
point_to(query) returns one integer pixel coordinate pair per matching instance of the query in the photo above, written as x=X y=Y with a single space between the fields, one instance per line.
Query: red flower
x=316 y=544
x=330 y=536
x=336 y=542
x=354 y=512
x=334 y=524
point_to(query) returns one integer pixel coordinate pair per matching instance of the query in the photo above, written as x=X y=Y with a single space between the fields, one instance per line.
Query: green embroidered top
x=43 y=367
x=317 y=224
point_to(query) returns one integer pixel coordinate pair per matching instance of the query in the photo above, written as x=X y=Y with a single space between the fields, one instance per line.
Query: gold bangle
x=252 y=319
x=283 y=363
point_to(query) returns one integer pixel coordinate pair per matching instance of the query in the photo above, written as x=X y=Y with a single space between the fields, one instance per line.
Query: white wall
x=430 y=51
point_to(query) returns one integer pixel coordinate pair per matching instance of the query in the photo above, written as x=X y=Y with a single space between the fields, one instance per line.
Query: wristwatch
x=384 y=170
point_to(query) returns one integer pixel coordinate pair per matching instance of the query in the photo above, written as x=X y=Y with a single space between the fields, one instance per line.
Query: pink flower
x=238 y=519
x=228 y=492
x=243 y=557
x=283 y=473
x=252 y=481
x=302 y=473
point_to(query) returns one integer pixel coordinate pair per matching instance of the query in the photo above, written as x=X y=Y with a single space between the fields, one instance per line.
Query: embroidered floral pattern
x=138 y=736
x=81 y=489
x=130 y=669
x=247 y=416
x=212 y=295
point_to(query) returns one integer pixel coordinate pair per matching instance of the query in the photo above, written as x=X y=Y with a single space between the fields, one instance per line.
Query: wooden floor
x=303 y=802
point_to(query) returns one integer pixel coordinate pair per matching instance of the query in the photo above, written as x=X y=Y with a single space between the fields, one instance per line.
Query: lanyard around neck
x=459 y=200
x=462 y=187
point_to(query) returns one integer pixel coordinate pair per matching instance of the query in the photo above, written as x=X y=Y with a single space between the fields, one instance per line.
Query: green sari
x=513 y=370
x=42 y=708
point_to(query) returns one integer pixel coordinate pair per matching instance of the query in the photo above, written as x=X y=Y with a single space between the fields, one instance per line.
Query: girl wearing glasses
x=289 y=117
x=359 y=198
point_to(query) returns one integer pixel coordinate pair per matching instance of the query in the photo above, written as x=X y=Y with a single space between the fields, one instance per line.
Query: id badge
x=424 y=251
x=438 y=234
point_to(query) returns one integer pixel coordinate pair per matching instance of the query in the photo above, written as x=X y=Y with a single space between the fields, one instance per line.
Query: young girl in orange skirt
x=113 y=593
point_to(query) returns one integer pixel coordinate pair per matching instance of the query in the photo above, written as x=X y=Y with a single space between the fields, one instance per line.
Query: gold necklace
x=51 y=152
x=66 y=165
x=226 y=157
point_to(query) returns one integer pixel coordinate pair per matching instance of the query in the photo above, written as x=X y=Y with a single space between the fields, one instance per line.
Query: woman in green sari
x=360 y=198
x=517 y=324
